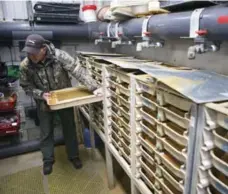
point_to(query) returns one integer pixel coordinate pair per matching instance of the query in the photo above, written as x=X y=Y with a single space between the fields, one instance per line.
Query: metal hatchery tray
x=125 y=155
x=115 y=139
x=146 y=155
x=172 y=114
x=220 y=161
x=218 y=181
x=125 y=133
x=165 y=98
x=114 y=101
x=96 y=66
x=147 y=144
x=150 y=170
x=171 y=164
x=115 y=144
x=221 y=139
x=149 y=183
x=147 y=101
x=71 y=97
x=123 y=76
x=222 y=113
x=211 y=190
x=124 y=122
x=123 y=111
x=114 y=123
x=150 y=130
x=120 y=89
x=167 y=187
x=95 y=73
x=114 y=114
x=125 y=145
x=101 y=126
x=175 y=183
x=112 y=83
x=115 y=135
x=123 y=101
x=149 y=116
x=177 y=151
x=174 y=132
x=145 y=84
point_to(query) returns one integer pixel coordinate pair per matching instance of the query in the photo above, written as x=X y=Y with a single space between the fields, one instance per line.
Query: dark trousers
x=47 y=133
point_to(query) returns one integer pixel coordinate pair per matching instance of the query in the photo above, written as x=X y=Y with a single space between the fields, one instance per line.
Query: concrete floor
x=17 y=164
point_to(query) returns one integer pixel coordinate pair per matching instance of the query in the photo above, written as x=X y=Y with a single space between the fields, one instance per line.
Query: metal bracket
x=203 y=178
x=202 y=44
x=194 y=22
x=147 y=40
x=208 y=139
x=102 y=38
x=205 y=159
x=120 y=40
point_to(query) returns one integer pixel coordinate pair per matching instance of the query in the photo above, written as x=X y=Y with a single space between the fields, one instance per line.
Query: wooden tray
x=71 y=97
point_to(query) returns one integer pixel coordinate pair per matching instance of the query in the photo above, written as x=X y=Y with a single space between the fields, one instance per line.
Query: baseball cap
x=33 y=44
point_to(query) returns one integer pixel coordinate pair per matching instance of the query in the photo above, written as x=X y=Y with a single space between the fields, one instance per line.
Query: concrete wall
x=175 y=53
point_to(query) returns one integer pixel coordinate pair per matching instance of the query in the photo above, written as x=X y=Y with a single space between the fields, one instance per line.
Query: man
x=45 y=69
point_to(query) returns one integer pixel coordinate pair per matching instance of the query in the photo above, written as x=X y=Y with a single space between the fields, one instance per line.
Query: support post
x=134 y=190
x=109 y=161
x=92 y=134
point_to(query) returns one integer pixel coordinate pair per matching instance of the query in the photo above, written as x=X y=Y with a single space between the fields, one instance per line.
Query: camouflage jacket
x=52 y=74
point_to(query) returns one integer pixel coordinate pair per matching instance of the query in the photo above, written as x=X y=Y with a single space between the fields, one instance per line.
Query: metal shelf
x=120 y=160
x=210 y=160
x=169 y=130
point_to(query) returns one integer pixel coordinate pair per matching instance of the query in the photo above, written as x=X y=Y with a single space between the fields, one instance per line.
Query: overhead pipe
x=163 y=26
x=207 y=27
x=25 y=147
x=20 y=30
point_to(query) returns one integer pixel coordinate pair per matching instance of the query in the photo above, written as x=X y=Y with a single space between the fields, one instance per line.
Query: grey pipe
x=20 y=30
x=25 y=147
x=163 y=26
x=177 y=25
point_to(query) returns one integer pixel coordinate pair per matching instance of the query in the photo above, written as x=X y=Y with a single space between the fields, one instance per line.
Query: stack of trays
x=118 y=82
x=162 y=136
x=213 y=169
x=95 y=69
x=99 y=115
x=82 y=60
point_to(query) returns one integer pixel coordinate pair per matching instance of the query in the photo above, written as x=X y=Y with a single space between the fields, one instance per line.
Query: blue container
x=86 y=135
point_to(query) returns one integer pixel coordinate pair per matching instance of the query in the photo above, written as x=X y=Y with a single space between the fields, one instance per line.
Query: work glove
x=98 y=92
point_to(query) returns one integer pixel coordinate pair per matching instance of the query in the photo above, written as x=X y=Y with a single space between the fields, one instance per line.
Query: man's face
x=36 y=58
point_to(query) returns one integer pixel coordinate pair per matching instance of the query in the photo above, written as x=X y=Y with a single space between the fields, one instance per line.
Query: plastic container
x=86 y=135
x=9 y=124
x=102 y=12
x=89 y=13
x=8 y=103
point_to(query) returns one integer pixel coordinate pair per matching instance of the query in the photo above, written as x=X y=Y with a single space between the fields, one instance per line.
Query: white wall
x=14 y=10
x=17 y=10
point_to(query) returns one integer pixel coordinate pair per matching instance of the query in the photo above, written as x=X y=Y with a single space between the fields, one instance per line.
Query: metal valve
x=202 y=45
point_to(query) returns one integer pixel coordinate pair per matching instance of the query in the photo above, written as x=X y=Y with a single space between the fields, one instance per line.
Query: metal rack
x=211 y=156
x=164 y=137
x=153 y=132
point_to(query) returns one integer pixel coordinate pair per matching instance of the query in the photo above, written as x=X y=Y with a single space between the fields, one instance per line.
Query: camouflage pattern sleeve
x=27 y=84
x=74 y=67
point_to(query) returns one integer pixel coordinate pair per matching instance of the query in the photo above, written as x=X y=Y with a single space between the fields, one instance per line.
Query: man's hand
x=46 y=96
x=98 y=92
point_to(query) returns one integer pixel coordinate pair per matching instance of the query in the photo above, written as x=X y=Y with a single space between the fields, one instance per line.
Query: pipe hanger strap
x=195 y=22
